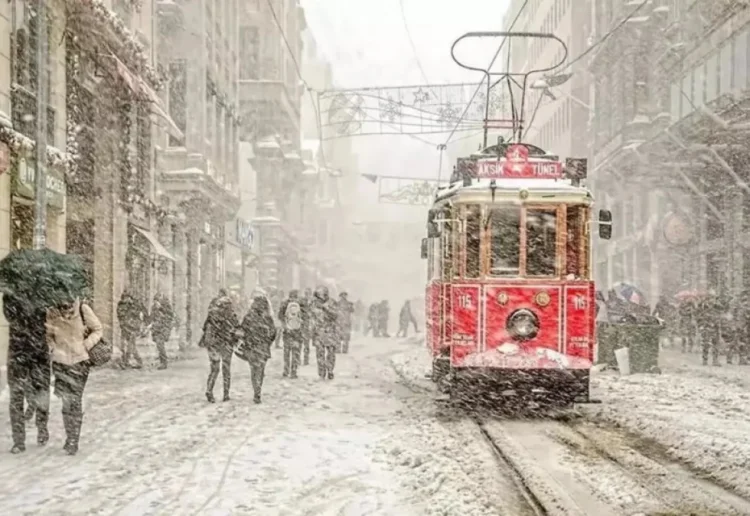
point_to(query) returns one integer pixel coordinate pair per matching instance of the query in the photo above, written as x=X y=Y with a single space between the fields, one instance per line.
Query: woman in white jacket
x=72 y=330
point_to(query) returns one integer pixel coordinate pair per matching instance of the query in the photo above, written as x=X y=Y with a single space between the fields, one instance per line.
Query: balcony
x=192 y=177
x=283 y=103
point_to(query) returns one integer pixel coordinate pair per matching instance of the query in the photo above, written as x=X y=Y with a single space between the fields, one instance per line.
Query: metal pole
x=40 y=177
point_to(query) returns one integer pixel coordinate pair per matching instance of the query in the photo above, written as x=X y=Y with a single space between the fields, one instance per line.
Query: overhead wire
x=479 y=86
x=309 y=90
x=606 y=36
x=583 y=54
x=411 y=41
x=499 y=49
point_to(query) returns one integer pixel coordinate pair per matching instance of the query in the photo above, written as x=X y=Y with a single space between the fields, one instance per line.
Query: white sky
x=367 y=45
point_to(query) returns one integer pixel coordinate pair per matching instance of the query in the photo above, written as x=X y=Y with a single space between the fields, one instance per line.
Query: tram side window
x=541 y=242
x=448 y=242
x=473 y=231
x=576 y=259
x=505 y=241
x=436 y=258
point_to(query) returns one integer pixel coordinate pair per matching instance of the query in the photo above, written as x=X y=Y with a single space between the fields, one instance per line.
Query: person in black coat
x=345 y=309
x=28 y=369
x=258 y=334
x=162 y=320
x=219 y=338
x=384 y=315
x=404 y=318
x=131 y=314
x=372 y=320
x=325 y=319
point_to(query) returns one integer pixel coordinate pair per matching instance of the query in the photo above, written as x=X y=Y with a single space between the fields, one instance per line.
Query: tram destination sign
x=517 y=164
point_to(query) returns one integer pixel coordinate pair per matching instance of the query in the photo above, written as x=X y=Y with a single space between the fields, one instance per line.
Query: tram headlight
x=523 y=325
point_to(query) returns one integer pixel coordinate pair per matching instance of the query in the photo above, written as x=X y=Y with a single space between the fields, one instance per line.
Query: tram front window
x=541 y=242
x=505 y=241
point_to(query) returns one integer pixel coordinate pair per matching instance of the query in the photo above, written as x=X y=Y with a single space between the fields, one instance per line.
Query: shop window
x=505 y=241
x=249 y=46
x=740 y=61
x=712 y=77
x=725 y=68
x=177 y=97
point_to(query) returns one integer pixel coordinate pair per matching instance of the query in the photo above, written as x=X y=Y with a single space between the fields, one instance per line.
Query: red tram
x=510 y=296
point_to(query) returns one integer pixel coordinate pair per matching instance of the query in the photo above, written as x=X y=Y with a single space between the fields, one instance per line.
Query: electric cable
x=499 y=49
x=607 y=35
x=309 y=90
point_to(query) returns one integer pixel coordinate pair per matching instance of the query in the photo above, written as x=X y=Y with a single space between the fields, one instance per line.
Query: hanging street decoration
x=405 y=190
x=420 y=109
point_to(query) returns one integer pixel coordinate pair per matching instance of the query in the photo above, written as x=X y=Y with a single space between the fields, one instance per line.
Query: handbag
x=101 y=353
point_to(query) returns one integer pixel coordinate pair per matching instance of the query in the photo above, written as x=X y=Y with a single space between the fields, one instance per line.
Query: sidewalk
x=698 y=415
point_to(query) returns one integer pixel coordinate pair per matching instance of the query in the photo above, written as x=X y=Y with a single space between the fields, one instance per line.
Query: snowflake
x=447 y=114
x=390 y=109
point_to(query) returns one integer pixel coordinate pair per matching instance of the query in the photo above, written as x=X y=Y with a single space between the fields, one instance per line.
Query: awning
x=159 y=249
x=138 y=86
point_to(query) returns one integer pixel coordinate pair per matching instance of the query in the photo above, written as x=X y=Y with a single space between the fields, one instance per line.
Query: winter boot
x=210 y=397
x=72 y=422
x=162 y=366
x=256 y=399
x=42 y=436
x=226 y=397
x=330 y=375
x=18 y=448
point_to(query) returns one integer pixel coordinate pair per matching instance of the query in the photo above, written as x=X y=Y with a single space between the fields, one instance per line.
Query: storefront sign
x=4 y=157
x=244 y=234
x=25 y=183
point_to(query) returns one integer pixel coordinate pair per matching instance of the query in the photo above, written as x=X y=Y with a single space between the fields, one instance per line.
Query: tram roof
x=539 y=191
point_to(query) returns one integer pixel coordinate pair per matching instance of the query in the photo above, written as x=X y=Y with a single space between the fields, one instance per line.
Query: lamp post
x=40 y=177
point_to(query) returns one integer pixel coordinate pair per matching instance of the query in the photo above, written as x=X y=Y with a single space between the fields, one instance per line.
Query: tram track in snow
x=576 y=467
x=562 y=463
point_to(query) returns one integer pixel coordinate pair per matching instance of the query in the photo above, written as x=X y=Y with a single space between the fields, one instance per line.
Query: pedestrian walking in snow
x=258 y=335
x=384 y=314
x=290 y=315
x=219 y=338
x=28 y=368
x=372 y=320
x=686 y=313
x=404 y=318
x=307 y=325
x=73 y=329
x=345 y=309
x=708 y=316
x=324 y=332
x=277 y=297
x=162 y=320
x=667 y=315
x=132 y=315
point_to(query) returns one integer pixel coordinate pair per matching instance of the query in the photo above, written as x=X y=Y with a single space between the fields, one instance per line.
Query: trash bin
x=643 y=341
x=607 y=340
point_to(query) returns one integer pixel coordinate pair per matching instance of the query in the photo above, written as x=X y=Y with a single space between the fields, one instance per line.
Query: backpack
x=293 y=316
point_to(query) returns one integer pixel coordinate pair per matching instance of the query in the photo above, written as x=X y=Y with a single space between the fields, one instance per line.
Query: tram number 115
x=465 y=302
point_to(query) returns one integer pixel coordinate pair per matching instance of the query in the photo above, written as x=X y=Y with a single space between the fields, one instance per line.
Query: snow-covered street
x=151 y=444
x=375 y=442
x=658 y=444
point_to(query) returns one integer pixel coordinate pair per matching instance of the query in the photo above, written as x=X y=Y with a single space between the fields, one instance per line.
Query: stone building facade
x=669 y=150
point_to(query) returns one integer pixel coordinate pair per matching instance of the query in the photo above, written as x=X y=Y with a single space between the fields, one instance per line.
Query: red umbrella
x=687 y=294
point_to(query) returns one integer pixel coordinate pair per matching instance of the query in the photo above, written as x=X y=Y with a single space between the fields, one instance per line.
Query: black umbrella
x=43 y=277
